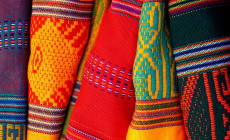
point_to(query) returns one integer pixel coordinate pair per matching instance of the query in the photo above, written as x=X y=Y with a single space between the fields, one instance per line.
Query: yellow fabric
x=31 y=135
x=169 y=133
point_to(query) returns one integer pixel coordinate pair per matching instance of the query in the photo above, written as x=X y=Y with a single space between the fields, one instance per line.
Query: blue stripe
x=206 y=47
x=12 y=109
x=214 y=62
x=12 y=101
x=21 y=117
x=12 y=95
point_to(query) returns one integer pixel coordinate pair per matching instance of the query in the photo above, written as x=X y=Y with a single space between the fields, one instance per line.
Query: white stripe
x=44 y=122
x=59 y=15
x=200 y=52
x=44 y=129
x=46 y=108
x=200 y=69
x=46 y=115
x=198 y=46
x=199 y=63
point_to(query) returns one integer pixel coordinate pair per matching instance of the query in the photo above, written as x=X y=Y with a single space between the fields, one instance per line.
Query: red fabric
x=98 y=112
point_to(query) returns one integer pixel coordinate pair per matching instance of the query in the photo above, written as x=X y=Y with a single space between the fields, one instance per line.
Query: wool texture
x=105 y=103
x=14 y=56
x=201 y=45
x=157 y=112
x=100 y=6
x=59 y=33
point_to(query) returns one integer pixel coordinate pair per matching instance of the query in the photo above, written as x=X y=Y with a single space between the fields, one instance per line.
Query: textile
x=157 y=112
x=100 y=6
x=59 y=33
x=201 y=46
x=105 y=103
x=14 y=54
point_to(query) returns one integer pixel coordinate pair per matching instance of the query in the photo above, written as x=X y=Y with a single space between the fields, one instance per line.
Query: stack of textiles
x=114 y=70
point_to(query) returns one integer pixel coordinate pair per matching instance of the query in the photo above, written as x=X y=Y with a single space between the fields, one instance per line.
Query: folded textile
x=105 y=103
x=201 y=45
x=157 y=112
x=59 y=33
x=14 y=56
x=100 y=6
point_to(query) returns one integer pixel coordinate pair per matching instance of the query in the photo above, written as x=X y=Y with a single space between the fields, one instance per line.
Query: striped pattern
x=97 y=68
x=12 y=108
x=70 y=9
x=128 y=8
x=80 y=134
x=156 y=114
x=177 y=7
x=14 y=33
x=45 y=119
x=202 y=56
x=75 y=93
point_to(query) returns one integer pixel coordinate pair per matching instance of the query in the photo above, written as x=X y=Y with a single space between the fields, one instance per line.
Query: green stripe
x=158 y=106
x=157 y=121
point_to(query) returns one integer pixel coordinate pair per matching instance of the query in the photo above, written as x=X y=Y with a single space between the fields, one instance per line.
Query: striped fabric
x=202 y=56
x=157 y=112
x=200 y=37
x=50 y=118
x=13 y=108
x=179 y=7
x=100 y=6
x=14 y=54
x=128 y=8
x=71 y=9
x=59 y=34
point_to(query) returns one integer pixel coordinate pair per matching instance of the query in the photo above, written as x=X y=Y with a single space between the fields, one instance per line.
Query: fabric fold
x=100 y=6
x=157 y=112
x=201 y=46
x=59 y=33
x=105 y=103
x=14 y=56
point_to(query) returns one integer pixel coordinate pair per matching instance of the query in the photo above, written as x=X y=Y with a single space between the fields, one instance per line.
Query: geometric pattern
x=157 y=100
x=208 y=105
x=201 y=46
x=54 y=59
x=56 y=49
x=110 y=75
x=14 y=54
x=100 y=6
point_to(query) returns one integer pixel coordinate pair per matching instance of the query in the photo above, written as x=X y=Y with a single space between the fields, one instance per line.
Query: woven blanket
x=100 y=6
x=105 y=103
x=59 y=33
x=14 y=54
x=201 y=45
x=157 y=112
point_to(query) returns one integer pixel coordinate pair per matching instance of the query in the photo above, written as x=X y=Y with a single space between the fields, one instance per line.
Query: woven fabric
x=14 y=54
x=105 y=103
x=59 y=33
x=157 y=112
x=100 y=6
x=201 y=46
